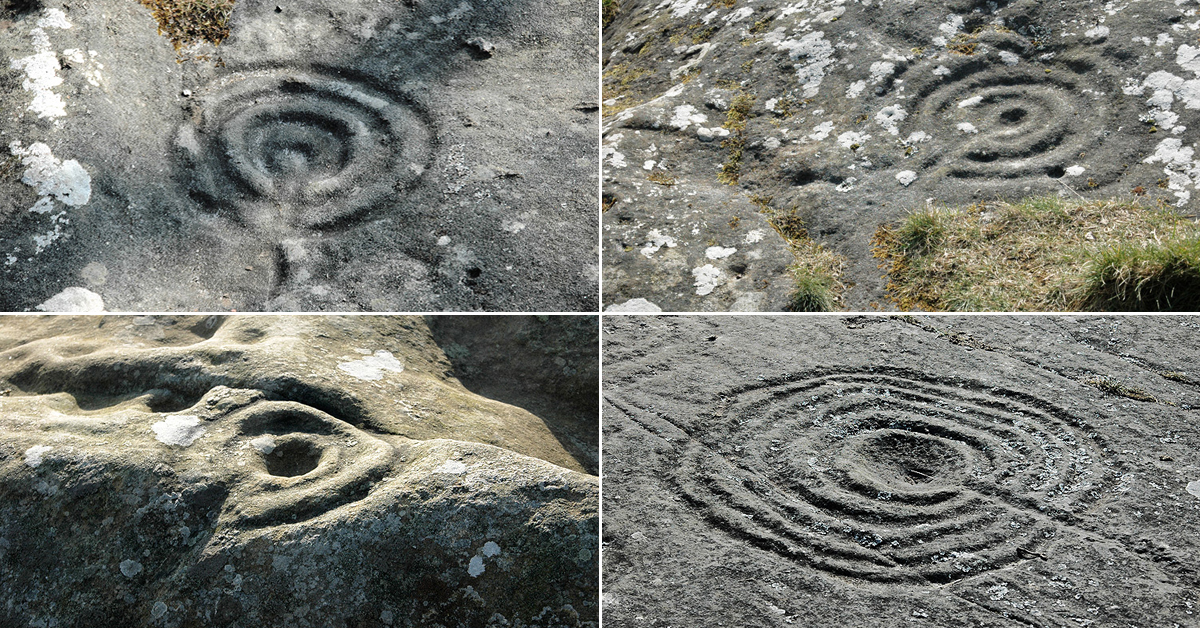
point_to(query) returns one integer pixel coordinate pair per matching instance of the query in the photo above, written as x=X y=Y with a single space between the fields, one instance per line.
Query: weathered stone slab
x=871 y=471
x=864 y=110
x=324 y=156
x=286 y=471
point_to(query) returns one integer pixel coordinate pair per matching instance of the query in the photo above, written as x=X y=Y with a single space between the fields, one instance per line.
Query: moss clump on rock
x=187 y=22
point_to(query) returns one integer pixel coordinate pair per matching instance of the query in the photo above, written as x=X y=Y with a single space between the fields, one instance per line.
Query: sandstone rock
x=204 y=471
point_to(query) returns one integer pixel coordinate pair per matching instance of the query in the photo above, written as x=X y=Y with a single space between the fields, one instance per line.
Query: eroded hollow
x=1014 y=115
x=899 y=457
x=292 y=458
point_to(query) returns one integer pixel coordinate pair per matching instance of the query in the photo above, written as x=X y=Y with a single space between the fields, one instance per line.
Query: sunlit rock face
x=325 y=156
x=854 y=112
x=261 y=471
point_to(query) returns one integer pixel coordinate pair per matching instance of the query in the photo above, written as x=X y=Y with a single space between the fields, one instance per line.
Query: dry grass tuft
x=735 y=120
x=618 y=87
x=186 y=22
x=1121 y=390
x=1043 y=254
x=817 y=270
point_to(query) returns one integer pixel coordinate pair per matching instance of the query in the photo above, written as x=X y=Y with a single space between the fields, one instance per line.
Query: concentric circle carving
x=300 y=149
x=889 y=475
x=991 y=121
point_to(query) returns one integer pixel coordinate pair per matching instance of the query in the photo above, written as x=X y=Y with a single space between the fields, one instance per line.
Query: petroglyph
x=844 y=115
x=871 y=470
x=287 y=148
x=893 y=476
x=146 y=460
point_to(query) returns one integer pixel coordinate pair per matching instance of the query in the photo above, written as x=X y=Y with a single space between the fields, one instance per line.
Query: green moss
x=610 y=9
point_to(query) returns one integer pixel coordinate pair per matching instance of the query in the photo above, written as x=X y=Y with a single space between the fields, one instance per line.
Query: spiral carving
x=991 y=121
x=892 y=476
x=300 y=150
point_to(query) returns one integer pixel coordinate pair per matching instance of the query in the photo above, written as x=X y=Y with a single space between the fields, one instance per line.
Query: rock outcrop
x=261 y=471
x=325 y=156
x=847 y=114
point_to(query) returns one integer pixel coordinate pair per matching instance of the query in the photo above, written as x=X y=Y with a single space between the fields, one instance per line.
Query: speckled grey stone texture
x=328 y=155
x=864 y=110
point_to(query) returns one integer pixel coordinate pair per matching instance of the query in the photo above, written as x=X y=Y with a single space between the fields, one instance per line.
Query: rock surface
x=549 y=365
x=871 y=471
x=298 y=471
x=863 y=110
x=332 y=156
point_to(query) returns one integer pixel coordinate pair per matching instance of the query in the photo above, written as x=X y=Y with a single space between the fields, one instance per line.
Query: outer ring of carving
x=306 y=149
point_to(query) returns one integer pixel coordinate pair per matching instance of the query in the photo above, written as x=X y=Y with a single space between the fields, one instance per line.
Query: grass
x=610 y=9
x=735 y=121
x=618 y=86
x=186 y=22
x=1113 y=388
x=1043 y=254
x=817 y=271
x=1159 y=276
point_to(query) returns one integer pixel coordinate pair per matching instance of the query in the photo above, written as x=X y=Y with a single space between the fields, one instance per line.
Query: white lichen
x=821 y=131
x=66 y=181
x=180 y=430
x=475 y=568
x=655 y=241
x=372 y=368
x=1183 y=172
x=73 y=300
x=880 y=70
x=717 y=252
x=815 y=52
x=890 y=117
x=852 y=139
x=33 y=455
x=634 y=305
x=708 y=277
x=41 y=68
x=452 y=467
x=685 y=116
x=130 y=568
